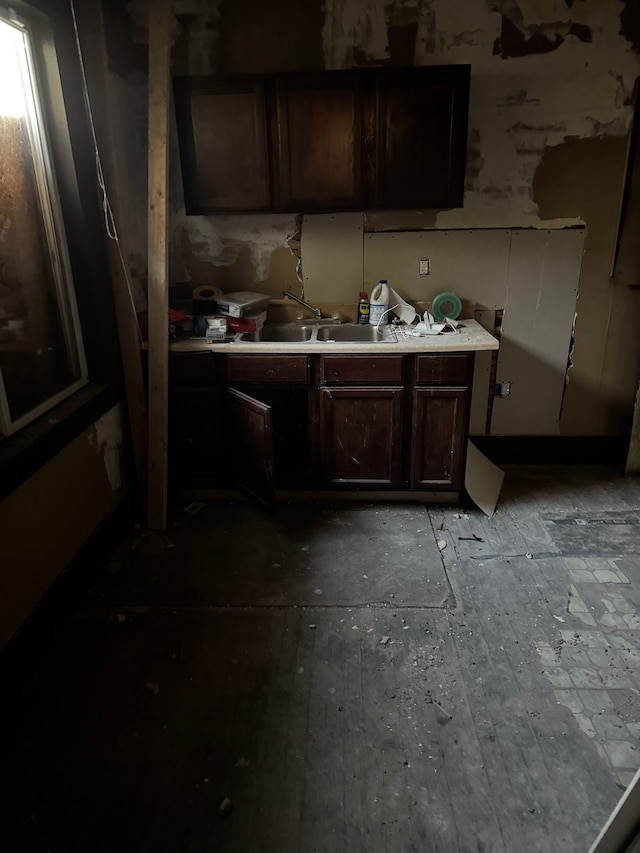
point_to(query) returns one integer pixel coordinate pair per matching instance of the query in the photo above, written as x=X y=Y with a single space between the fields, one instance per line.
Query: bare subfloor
x=343 y=679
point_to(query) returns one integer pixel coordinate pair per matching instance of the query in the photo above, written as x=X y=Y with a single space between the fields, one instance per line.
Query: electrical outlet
x=424 y=266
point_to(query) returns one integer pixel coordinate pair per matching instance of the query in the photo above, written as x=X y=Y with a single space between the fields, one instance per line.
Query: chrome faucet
x=315 y=311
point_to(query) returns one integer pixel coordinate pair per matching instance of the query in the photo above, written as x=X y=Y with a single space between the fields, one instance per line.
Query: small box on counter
x=201 y=324
x=247 y=325
x=242 y=303
x=216 y=329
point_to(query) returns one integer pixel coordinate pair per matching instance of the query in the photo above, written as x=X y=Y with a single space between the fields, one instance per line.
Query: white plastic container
x=379 y=304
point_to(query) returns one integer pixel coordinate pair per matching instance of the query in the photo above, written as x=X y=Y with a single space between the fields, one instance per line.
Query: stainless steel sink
x=354 y=333
x=296 y=333
x=281 y=333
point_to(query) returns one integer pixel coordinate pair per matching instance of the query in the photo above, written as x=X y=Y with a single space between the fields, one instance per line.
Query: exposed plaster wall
x=547 y=75
x=354 y=29
x=227 y=242
x=519 y=106
x=107 y=439
x=295 y=44
x=195 y=33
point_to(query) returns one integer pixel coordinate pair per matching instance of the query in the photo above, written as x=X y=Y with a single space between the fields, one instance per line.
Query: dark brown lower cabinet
x=361 y=437
x=438 y=437
x=295 y=422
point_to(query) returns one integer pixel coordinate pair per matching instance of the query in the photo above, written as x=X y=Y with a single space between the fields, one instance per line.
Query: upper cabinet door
x=223 y=144
x=317 y=141
x=420 y=137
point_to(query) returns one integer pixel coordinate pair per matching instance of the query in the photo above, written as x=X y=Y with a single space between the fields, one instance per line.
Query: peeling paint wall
x=550 y=109
x=106 y=437
x=240 y=252
x=519 y=105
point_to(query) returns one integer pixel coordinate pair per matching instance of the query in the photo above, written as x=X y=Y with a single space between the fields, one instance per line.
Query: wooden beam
x=105 y=118
x=158 y=263
x=131 y=355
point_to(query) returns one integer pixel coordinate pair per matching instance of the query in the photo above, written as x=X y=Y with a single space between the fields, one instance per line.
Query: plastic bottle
x=363 y=308
x=379 y=303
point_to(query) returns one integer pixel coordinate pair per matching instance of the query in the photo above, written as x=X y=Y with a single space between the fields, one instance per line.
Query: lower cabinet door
x=252 y=446
x=438 y=438
x=361 y=437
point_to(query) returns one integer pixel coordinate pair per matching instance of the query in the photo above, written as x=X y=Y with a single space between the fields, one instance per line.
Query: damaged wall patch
x=107 y=438
x=513 y=42
x=630 y=23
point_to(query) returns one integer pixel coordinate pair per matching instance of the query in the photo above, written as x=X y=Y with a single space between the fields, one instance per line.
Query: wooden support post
x=158 y=265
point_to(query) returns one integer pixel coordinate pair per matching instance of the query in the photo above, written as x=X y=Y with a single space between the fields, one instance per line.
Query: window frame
x=72 y=151
x=54 y=227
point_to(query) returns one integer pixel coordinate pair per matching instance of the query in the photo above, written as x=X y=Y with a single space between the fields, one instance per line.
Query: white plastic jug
x=379 y=304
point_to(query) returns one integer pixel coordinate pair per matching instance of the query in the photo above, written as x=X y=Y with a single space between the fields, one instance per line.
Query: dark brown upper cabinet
x=337 y=140
x=224 y=147
x=317 y=148
x=420 y=137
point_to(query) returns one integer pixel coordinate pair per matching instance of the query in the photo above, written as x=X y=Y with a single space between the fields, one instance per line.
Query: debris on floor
x=225 y=807
x=532 y=720
x=194 y=506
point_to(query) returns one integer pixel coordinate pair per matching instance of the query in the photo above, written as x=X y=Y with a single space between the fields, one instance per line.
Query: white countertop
x=469 y=337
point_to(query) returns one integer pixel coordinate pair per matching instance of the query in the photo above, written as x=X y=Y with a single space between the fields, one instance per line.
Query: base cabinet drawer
x=268 y=369
x=444 y=369
x=438 y=438
x=361 y=369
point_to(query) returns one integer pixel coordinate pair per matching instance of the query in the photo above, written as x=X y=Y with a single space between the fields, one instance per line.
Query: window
x=41 y=353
